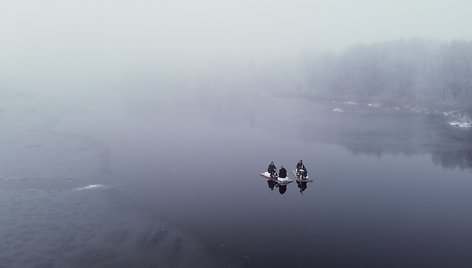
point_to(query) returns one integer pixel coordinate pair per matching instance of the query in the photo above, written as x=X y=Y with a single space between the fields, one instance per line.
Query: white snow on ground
x=460 y=124
x=459 y=119
x=456 y=118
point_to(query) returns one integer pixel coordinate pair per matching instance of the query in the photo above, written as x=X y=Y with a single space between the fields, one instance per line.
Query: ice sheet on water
x=47 y=220
x=32 y=148
x=91 y=187
x=69 y=228
x=375 y=104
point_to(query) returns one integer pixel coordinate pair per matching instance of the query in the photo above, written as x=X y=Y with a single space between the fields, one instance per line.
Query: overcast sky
x=111 y=34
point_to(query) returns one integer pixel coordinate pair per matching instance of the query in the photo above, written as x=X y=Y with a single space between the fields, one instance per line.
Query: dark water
x=391 y=188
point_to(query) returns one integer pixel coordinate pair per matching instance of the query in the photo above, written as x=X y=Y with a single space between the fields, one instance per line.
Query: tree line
x=405 y=72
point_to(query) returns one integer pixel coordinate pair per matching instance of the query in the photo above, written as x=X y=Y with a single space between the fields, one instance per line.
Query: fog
x=133 y=133
x=88 y=45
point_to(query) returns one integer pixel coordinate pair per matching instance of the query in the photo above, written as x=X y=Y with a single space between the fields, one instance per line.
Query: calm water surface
x=391 y=188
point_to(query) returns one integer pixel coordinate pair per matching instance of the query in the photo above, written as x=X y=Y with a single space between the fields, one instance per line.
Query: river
x=391 y=188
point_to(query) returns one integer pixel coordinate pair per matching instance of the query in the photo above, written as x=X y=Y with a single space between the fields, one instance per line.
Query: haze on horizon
x=51 y=41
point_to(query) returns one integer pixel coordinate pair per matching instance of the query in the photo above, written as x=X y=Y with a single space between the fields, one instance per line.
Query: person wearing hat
x=301 y=170
x=282 y=172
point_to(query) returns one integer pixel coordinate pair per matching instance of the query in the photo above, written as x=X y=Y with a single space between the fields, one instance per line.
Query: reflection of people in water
x=271 y=184
x=272 y=169
x=282 y=189
x=302 y=186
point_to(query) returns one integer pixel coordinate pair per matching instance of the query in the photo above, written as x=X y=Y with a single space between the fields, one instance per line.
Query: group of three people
x=301 y=170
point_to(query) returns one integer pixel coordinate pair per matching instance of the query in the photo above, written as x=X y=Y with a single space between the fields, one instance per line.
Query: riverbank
x=454 y=117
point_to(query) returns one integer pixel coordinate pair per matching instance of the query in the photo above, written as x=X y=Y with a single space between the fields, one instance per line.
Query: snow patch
x=338 y=110
x=375 y=104
x=460 y=124
x=458 y=118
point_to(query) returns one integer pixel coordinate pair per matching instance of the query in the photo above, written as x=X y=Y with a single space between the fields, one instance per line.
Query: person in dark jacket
x=272 y=169
x=282 y=172
x=301 y=170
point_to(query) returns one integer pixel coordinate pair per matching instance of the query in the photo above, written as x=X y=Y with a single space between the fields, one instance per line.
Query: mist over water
x=191 y=161
x=133 y=134
x=373 y=187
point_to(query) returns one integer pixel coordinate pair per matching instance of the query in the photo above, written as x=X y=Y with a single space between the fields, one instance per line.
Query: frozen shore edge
x=455 y=118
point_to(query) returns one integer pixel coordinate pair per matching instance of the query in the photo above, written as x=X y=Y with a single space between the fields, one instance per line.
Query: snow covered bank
x=455 y=118
x=460 y=124
x=459 y=119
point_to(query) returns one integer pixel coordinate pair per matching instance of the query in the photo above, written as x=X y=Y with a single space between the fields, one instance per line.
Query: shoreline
x=455 y=118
